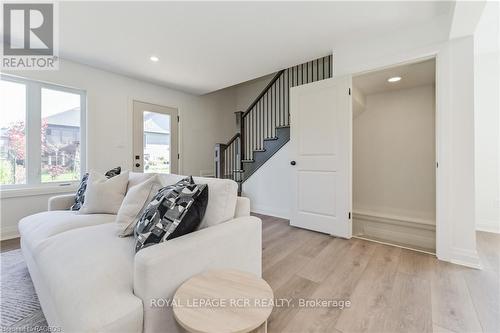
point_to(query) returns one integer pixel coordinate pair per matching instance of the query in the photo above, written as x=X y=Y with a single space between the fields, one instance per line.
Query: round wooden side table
x=223 y=301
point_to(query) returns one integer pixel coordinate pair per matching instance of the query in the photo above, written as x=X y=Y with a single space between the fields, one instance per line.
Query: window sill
x=38 y=190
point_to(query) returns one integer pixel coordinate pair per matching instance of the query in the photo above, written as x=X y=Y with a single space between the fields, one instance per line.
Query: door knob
x=137 y=165
x=293 y=163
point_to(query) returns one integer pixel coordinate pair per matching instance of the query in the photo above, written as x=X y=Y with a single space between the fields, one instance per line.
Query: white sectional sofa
x=90 y=280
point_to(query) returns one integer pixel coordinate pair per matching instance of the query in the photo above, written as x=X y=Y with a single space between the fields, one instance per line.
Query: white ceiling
x=412 y=75
x=208 y=46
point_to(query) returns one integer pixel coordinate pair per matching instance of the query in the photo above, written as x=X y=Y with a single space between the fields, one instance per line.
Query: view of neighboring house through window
x=12 y=133
x=60 y=136
x=41 y=132
x=156 y=142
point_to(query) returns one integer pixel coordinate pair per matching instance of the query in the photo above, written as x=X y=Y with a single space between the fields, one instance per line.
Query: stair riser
x=271 y=148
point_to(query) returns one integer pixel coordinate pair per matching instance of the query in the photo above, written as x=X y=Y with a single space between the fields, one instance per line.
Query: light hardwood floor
x=390 y=289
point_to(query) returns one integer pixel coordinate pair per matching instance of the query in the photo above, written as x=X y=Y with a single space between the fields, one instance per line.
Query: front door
x=155 y=138
x=320 y=138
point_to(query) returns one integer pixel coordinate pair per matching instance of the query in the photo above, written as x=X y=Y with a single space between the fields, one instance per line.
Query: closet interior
x=394 y=155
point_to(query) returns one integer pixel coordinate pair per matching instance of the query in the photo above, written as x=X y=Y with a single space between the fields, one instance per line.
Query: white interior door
x=321 y=141
x=155 y=138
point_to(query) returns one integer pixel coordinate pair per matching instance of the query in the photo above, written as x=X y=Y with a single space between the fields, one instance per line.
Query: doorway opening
x=394 y=155
x=155 y=138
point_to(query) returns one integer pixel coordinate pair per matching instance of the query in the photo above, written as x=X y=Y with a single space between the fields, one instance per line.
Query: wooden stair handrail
x=236 y=136
x=263 y=92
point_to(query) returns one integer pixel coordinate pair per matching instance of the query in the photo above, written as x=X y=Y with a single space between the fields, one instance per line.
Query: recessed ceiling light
x=394 y=79
x=154 y=58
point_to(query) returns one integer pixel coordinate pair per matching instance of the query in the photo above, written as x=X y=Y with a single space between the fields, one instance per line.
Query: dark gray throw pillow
x=80 y=193
x=174 y=211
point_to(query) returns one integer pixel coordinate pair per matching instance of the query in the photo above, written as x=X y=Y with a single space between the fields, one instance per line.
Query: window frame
x=33 y=131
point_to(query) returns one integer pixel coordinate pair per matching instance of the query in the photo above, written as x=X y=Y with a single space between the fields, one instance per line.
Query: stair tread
x=234 y=171
x=271 y=139
x=247 y=161
x=259 y=150
x=283 y=126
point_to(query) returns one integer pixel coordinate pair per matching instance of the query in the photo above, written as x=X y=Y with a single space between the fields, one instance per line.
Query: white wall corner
x=488 y=226
x=466 y=15
x=465 y=257
x=459 y=152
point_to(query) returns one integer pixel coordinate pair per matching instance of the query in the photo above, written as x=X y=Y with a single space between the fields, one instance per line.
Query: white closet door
x=321 y=143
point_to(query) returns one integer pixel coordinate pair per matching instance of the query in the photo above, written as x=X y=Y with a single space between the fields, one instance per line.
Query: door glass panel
x=156 y=142
x=60 y=136
x=12 y=133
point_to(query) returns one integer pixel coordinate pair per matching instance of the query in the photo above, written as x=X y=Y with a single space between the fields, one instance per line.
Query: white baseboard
x=9 y=233
x=402 y=231
x=270 y=211
x=488 y=226
x=396 y=245
x=465 y=258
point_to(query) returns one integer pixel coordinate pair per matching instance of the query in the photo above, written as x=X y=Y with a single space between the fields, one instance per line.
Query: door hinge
x=349 y=215
x=178 y=119
x=349 y=91
x=178 y=156
x=437 y=164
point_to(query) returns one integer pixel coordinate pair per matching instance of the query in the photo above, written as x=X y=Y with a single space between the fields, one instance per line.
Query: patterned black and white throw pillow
x=80 y=193
x=174 y=211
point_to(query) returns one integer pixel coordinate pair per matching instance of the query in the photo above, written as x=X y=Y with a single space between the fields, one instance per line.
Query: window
x=12 y=133
x=41 y=133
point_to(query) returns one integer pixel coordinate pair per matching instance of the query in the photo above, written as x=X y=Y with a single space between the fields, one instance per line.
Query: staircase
x=265 y=125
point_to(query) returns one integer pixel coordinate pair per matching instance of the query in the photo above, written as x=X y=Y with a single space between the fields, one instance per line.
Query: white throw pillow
x=103 y=195
x=135 y=178
x=137 y=197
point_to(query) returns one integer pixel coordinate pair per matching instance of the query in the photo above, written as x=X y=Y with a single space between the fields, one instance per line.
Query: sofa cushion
x=89 y=271
x=36 y=228
x=222 y=194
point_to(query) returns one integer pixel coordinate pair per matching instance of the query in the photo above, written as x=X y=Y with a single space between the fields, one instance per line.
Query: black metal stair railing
x=228 y=158
x=265 y=120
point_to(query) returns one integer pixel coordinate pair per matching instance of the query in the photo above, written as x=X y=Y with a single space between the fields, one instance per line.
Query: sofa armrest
x=242 y=207
x=61 y=202
x=160 y=269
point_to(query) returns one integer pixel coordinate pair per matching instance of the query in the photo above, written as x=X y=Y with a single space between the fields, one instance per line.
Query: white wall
x=487 y=118
x=247 y=92
x=457 y=152
x=205 y=120
x=394 y=155
x=358 y=102
x=270 y=187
